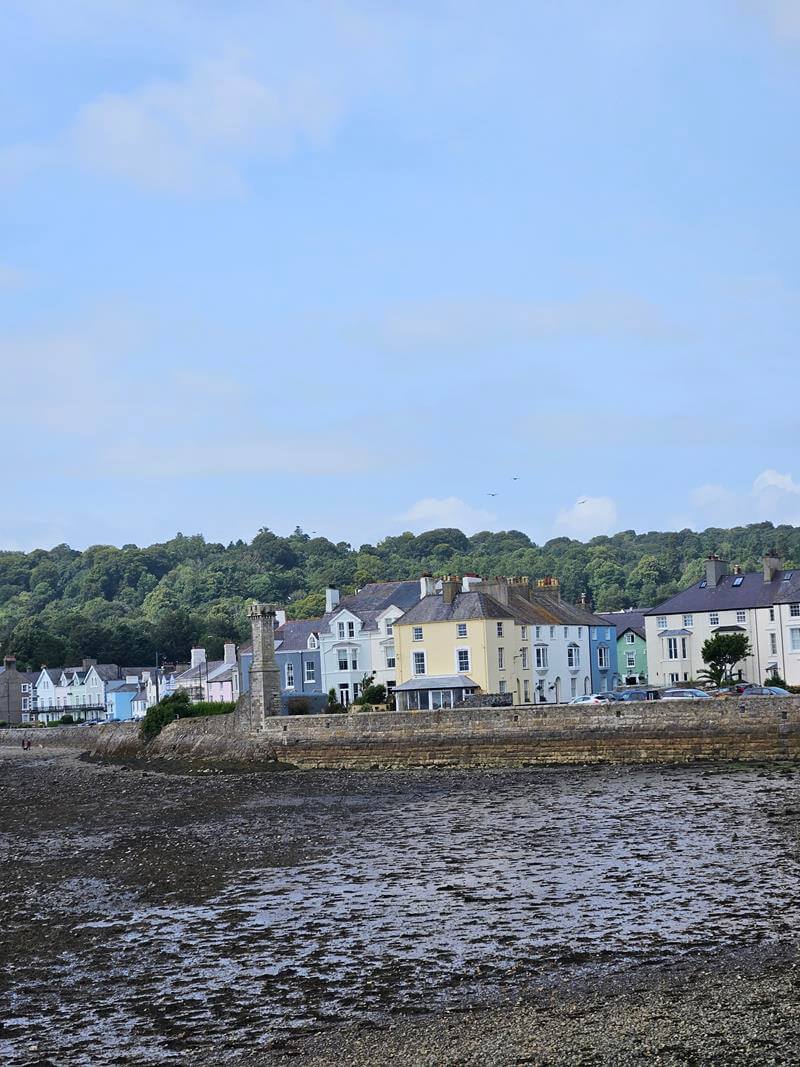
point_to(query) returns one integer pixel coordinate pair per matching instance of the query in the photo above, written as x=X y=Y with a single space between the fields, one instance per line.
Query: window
x=566 y=632
x=356 y=690
x=772 y=614
x=794 y=639
x=344 y=693
x=794 y=610
x=788 y=576
x=351 y=629
x=524 y=653
x=713 y=618
x=417 y=633
x=26 y=687
x=552 y=633
x=661 y=622
x=674 y=678
x=602 y=657
x=502 y=687
x=573 y=687
x=290 y=676
x=688 y=620
x=737 y=581
x=538 y=633
x=630 y=661
x=741 y=616
x=390 y=661
x=573 y=656
x=312 y=642
x=354 y=660
x=524 y=633
x=389 y=627
x=594 y=633
x=311 y=672
x=501 y=659
x=630 y=637
x=773 y=645
x=462 y=658
x=580 y=632
x=526 y=691
x=672 y=648
x=683 y=648
x=418 y=662
x=342 y=659
x=703 y=584
x=26 y=704
x=461 y=629
x=540 y=657
x=341 y=631
x=499 y=629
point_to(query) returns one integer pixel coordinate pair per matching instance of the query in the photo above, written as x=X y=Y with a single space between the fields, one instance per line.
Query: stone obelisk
x=265 y=683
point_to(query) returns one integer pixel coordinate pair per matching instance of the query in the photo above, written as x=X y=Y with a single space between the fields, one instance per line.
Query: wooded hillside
x=126 y=605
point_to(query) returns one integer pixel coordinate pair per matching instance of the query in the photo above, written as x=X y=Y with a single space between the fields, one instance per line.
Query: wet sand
x=581 y=915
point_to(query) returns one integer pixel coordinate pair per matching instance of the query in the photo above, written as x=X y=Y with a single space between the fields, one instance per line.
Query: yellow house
x=459 y=641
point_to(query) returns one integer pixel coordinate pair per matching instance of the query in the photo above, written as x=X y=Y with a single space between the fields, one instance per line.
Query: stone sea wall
x=657 y=732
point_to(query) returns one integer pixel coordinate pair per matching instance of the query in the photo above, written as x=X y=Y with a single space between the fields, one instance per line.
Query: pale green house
x=631 y=644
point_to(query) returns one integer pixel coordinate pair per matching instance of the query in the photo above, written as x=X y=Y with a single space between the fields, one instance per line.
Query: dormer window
x=389 y=627
x=341 y=631
x=351 y=629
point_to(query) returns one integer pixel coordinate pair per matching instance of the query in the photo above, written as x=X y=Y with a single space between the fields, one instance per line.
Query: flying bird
x=492 y=494
x=584 y=501
x=514 y=477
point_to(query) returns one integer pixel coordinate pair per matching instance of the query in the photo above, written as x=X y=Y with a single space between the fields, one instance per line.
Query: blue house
x=119 y=700
x=298 y=658
x=603 y=655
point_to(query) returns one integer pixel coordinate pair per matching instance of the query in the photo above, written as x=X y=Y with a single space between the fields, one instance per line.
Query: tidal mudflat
x=416 y=916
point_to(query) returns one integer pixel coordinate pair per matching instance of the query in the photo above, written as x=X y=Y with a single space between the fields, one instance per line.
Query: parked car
x=594 y=698
x=685 y=694
x=638 y=694
x=777 y=691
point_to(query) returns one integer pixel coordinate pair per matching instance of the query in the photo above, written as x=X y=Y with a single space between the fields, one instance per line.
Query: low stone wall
x=660 y=731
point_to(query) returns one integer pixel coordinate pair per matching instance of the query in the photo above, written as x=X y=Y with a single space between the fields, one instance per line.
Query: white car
x=685 y=694
x=592 y=698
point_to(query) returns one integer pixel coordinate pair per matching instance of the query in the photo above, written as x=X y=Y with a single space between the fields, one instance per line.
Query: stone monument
x=265 y=682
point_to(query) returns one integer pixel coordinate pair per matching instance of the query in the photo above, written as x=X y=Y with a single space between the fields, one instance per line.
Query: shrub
x=373 y=694
x=178 y=706
x=299 y=705
x=3 y=724
x=66 y=720
x=775 y=679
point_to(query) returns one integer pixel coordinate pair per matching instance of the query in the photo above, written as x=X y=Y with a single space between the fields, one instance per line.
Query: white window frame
x=538 y=633
x=354 y=659
x=713 y=618
x=523 y=632
x=390 y=657
x=524 y=654
x=499 y=629
x=351 y=628
x=741 y=617
x=502 y=686
x=573 y=657
x=416 y=633
x=672 y=648
x=341 y=631
x=390 y=627
x=461 y=629
x=289 y=675
x=540 y=657
x=459 y=668
x=418 y=655
x=526 y=690
x=794 y=611
x=603 y=658
x=661 y=622
x=794 y=638
x=343 y=658
x=773 y=644
x=501 y=658
x=630 y=637
x=630 y=661
x=688 y=620
x=310 y=669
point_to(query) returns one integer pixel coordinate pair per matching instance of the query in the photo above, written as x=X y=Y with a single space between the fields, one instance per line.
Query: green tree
x=722 y=652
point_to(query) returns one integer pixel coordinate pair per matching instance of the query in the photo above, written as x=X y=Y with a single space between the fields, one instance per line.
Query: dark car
x=638 y=694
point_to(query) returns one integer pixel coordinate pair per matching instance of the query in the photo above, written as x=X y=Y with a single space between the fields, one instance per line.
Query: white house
x=356 y=638
x=764 y=605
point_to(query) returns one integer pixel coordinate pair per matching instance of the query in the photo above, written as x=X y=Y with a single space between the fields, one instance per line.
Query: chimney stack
x=584 y=602
x=771 y=566
x=331 y=599
x=427 y=586
x=716 y=569
x=87 y=663
x=10 y=663
x=468 y=581
x=229 y=654
x=280 y=617
x=450 y=589
x=198 y=657
x=550 y=587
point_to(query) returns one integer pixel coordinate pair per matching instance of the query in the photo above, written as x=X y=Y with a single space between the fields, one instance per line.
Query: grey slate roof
x=752 y=592
x=294 y=634
x=674 y=633
x=437 y=681
x=371 y=601
x=465 y=606
x=626 y=620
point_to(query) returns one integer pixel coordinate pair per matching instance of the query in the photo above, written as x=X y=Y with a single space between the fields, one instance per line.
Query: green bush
x=178 y=706
x=775 y=679
x=66 y=720
x=373 y=694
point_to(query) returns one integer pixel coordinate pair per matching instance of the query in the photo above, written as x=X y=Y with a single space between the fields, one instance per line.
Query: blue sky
x=357 y=265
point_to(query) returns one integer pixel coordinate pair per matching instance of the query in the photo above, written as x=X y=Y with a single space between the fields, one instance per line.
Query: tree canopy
x=127 y=605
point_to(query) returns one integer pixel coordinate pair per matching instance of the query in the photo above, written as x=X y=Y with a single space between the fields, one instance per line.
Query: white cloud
x=198 y=131
x=588 y=517
x=771 y=498
x=473 y=323
x=434 y=512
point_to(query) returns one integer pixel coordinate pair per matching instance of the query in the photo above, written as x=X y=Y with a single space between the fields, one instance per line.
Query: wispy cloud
x=471 y=324
x=434 y=512
x=588 y=517
x=772 y=497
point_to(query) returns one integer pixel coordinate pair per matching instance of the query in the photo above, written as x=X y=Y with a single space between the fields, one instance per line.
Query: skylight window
x=703 y=584
x=788 y=576
x=738 y=580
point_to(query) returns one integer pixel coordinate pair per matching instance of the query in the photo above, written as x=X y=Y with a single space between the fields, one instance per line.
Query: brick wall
x=659 y=731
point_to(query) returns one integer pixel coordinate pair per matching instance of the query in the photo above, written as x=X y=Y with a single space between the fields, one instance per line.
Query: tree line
x=129 y=605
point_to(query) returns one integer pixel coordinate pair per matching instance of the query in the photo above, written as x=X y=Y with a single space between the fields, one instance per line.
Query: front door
x=344 y=694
